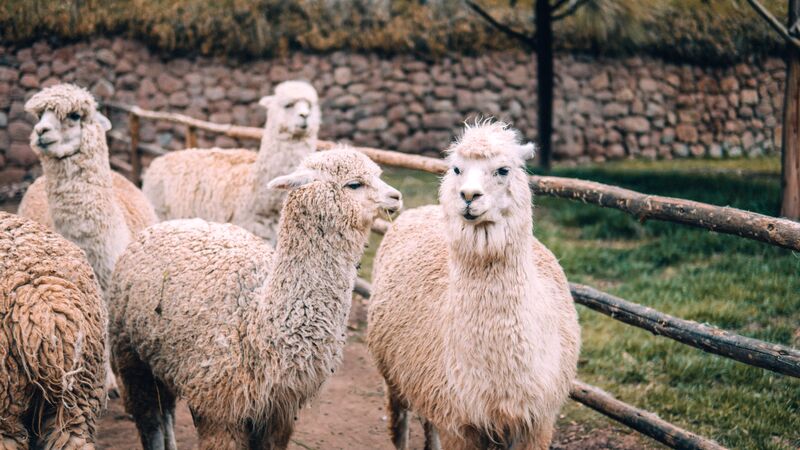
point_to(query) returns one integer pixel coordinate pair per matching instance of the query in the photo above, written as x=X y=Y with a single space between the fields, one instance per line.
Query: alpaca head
x=341 y=183
x=485 y=191
x=293 y=111
x=67 y=117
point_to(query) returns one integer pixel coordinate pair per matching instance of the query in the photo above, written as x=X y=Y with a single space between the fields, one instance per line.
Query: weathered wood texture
x=781 y=232
x=790 y=151
x=754 y=352
x=135 y=157
x=640 y=420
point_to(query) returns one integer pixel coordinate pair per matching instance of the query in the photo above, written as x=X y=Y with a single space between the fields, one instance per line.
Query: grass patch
x=744 y=286
x=688 y=30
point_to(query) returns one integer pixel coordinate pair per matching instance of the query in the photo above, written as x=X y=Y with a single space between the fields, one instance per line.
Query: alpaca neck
x=261 y=206
x=84 y=209
x=506 y=335
x=307 y=297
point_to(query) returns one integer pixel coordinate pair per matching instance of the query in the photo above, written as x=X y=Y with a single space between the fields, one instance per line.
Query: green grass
x=689 y=30
x=744 y=286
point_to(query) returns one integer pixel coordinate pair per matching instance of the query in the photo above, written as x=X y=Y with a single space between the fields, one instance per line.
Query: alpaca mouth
x=44 y=143
x=469 y=216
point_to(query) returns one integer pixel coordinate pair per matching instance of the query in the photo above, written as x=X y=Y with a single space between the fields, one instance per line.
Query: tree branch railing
x=774 y=23
x=722 y=219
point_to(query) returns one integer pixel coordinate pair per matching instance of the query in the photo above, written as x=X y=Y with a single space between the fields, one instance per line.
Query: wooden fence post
x=191 y=137
x=136 y=162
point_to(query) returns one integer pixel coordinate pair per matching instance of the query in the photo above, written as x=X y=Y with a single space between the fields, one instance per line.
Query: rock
x=749 y=97
x=624 y=95
x=446 y=92
x=680 y=150
x=648 y=85
x=103 y=89
x=29 y=81
x=715 y=151
x=179 y=99
x=729 y=84
x=599 y=81
x=342 y=76
x=168 y=83
x=611 y=110
x=654 y=110
x=518 y=77
x=20 y=131
x=106 y=57
x=346 y=101
x=438 y=121
x=3 y=119
x=686 y=133
x=615 y=151
x=635 y=124
x=372 y=124
x=21 y=154
x=11 y=175
x=214 y=93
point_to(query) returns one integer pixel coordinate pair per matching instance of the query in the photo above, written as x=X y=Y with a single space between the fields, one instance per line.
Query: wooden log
x=120 y=166
x=363 y=288
x=136 y=162
x=640 y=420
x=150 y=149
x=781 y=232
x=191 y=137
x=754 y=352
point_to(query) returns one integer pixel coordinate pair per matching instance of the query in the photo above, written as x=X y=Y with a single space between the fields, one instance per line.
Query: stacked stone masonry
x=605 y=108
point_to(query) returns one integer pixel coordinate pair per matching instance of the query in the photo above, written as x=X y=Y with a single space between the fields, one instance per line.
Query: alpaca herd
x=232 y=291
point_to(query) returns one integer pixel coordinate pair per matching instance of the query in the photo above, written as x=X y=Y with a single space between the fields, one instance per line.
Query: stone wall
x=605 y=108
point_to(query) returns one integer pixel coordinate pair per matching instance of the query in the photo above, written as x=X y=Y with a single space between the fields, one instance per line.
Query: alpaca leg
x=398 y=419
x=142 y=399
x=167 y=404
x=432 y=441
x=275 y=437
x=112 y=389
x=541 y=438
x=68 y=428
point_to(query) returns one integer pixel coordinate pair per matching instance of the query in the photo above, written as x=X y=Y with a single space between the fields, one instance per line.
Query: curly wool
x=62 y=99
x=51 y=339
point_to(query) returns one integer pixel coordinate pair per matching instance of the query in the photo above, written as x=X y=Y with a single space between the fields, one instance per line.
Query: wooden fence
x=772 y=230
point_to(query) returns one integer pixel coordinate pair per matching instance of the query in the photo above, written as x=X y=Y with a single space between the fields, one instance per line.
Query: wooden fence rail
x=772 y=230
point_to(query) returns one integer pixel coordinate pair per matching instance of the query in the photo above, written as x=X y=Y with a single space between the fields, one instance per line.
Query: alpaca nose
x=41 y=128
x=396 y=196
x=469 y=195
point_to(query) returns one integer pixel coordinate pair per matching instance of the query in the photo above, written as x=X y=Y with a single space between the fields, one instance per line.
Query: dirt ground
x=349 y=412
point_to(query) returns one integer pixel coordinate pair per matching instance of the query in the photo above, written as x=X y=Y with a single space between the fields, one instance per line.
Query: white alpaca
x=471 y=321
x=52 y=339
x=231 y=185
x=245 y=334
x=83 y=203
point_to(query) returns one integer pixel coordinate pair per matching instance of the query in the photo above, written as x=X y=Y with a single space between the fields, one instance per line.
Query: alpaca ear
x=102 y=120
x=527 y=151
x=294 y=180
x=265 y=101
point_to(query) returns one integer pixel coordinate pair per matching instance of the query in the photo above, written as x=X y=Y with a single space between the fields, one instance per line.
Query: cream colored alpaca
x=245 y=334
x=83 y=203
x=52 y=336
x=471 y=321
x=231 y=185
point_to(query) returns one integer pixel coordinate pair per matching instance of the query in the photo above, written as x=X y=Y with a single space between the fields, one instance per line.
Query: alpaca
x=230 y=185
x=244 y=333
x=52 y=336
x=471 y=321
x=83 y=203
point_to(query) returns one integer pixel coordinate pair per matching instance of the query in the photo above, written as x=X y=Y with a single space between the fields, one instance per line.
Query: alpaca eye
x=456 y=171
x=74 y=116
x=503 y=171
x=354 y=185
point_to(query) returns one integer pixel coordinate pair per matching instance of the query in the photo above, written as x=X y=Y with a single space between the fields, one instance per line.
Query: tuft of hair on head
x=488 y=138
x=62 y=99
x=297 y=89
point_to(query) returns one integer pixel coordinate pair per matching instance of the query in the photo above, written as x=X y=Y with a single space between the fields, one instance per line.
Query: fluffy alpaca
x=230 y=185
x=52 y=337
x=82 y=204
x=471 y=321
x=244 y=333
